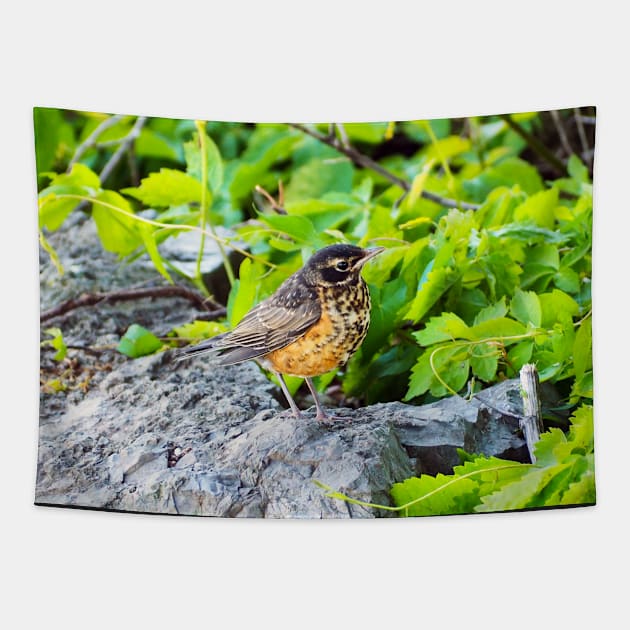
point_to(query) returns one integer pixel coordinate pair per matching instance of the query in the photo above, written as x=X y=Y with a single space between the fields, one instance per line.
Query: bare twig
x=124 y=146
x=365 y=161
x=536 y=145
x=564 y=139
x=276 y=205
x=581 y=134
x=91 y=299
x=90 y=141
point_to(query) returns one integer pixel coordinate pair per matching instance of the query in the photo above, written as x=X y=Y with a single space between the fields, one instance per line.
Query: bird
x=313 y=323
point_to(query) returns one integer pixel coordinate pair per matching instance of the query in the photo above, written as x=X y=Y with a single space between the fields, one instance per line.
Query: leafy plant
x=488 y=263
x=562 y=475
x=57 y=342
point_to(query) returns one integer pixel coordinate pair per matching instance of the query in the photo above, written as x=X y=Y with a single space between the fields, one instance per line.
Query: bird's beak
x=368 y=254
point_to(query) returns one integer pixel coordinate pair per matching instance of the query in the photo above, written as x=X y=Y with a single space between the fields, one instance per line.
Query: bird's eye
x=342 y=265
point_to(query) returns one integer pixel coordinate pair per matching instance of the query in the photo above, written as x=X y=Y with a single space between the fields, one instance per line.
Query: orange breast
x=312 y=354
x=331 y=341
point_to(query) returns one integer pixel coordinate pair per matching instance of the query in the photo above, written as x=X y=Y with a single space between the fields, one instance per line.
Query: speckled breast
x=331 y=341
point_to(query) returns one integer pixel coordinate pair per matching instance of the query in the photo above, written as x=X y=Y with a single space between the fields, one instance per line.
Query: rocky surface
x=165 y=437
x=152 y=435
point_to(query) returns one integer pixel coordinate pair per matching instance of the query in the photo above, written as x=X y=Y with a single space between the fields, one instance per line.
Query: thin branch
x=92 y=299
x=536 y=145
x=276 y=205
x=581 y=133
x=90 y=141
x=124 y=145
x=364 y=161
x=564 y=139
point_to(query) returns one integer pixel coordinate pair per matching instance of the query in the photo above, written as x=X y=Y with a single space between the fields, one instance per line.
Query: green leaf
x=580 y=492
x=447 y=148
x=492 y=311
x=520 y=354
x=380 y=224
x=380 y=268
x=54 y=209
x=576 y=169
x=509 y=172
x=433 y=495
x=567 y=280
x=583 y=349
x=529 y=233
x=325 y=213
x=581 y=433
x=386 y=304
x=539 y=208
x=50 y=250
x=417 y=186
x=497 y=327
x=372 y=133
x=214 y=170
x=52 y=134
x=421 y=377
x=484 y=361
x=199 y=330
x=417 y=129
x=138 y=342
x=267 y=145
x=57 y=342
x=154 y=145
x=118 y=232
x=432 y=285
x=299 y=228
x=525 y=307
x=446 y=327
x=452 y=366
x=317 y=177
x=498 y=209
x=243 y=293
x=555 y=303
x=166 y=188
x=79 y=175
x=526 y=492
x=458 y=493
x=542 y=262
x=148 y=238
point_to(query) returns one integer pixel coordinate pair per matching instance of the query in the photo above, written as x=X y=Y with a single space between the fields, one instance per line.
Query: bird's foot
x=329 y=418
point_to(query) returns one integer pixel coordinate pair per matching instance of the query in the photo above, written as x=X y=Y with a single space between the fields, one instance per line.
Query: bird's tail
x=205 y=347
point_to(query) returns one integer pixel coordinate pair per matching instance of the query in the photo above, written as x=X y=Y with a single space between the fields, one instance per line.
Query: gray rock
x=164 y=437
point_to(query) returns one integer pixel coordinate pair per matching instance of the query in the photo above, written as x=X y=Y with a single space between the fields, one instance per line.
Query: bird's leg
x=321 y=412
x=287 y=395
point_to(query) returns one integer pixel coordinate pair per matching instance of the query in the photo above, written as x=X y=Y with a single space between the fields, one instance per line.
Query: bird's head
x=337 y=265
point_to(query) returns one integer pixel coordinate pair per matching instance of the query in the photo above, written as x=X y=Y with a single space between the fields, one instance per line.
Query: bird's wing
x=273 y=324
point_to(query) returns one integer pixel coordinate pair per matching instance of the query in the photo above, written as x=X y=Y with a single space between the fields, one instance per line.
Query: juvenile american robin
x=312 y=324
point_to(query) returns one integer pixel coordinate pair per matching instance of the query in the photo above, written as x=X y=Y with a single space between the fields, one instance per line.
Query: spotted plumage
x=312 y=324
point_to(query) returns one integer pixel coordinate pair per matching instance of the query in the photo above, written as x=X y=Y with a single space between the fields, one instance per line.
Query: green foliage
x=138 y=342
x=459 y=295
x=57 y=342
x=562 y=475
x=467 y=291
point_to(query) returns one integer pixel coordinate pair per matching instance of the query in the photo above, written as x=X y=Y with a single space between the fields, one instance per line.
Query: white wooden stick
x=531 y=422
